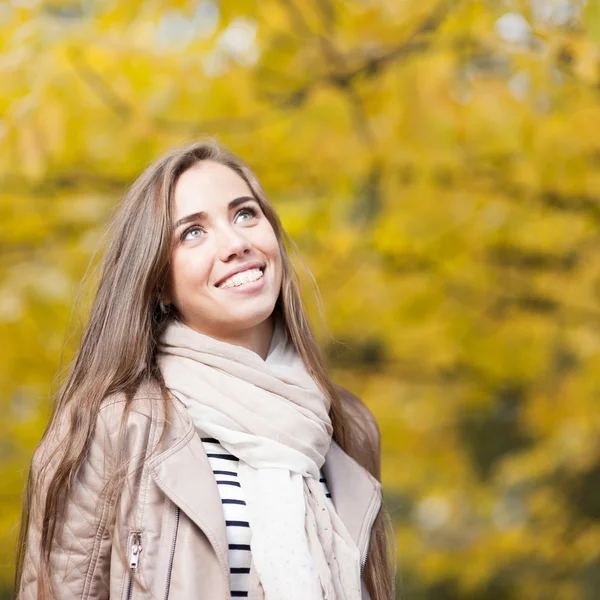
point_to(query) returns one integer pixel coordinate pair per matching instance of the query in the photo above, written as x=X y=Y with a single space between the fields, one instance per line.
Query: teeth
x=242 y=278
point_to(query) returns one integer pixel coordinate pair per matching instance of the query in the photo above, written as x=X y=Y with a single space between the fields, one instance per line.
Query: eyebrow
x=201 y=214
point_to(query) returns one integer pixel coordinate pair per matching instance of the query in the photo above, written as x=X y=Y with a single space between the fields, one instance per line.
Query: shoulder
x=358 y=413
x=143 y=418
x=123 y=422
x=365 y=437
x=355 y=407
x=114 y=409
x=139 y=408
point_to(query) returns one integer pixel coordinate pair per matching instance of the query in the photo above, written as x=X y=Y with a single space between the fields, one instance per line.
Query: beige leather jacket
x=168 y=539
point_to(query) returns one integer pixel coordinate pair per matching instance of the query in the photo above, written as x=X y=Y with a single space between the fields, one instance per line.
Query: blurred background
x=437 y=164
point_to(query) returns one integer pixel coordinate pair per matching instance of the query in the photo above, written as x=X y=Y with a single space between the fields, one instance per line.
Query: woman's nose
x=231 y=243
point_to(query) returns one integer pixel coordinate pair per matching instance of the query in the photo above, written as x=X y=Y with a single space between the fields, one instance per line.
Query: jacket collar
x=355 y=493
x=183 y=473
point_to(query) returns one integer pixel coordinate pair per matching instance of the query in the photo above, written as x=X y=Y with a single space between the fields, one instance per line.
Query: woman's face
x=226 y=267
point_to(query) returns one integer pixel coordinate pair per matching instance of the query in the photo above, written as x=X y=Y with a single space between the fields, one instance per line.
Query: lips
x=240 y=269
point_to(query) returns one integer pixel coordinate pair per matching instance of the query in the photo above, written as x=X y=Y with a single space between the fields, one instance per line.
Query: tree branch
x=96 y=83
x=342 y=78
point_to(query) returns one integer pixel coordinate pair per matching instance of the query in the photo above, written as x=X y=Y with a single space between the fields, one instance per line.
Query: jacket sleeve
x=80 y=554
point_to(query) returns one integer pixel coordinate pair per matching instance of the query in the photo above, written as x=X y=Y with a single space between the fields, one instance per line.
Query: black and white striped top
x=225 y=468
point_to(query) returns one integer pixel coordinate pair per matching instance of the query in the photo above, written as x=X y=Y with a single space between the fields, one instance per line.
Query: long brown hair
x=118 y=348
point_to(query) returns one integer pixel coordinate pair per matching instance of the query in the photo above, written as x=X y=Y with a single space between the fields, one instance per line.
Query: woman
x=198 y=391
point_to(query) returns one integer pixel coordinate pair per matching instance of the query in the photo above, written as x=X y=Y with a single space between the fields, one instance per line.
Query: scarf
x=272 y=416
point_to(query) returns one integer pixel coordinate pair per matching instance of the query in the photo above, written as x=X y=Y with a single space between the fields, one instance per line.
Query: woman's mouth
x=242 y=279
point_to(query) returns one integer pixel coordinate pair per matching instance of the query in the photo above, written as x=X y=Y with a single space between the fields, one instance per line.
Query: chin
x=248 y=321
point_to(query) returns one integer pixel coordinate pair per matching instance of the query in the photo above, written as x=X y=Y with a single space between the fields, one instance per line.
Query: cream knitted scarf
x=273 y=417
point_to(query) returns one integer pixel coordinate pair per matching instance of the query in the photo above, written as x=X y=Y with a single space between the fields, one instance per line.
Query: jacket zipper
x=172 y=556
x=135 y=549
x=371 y=517
x=363 y=561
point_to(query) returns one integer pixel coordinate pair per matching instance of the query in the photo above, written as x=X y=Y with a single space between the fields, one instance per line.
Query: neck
x=257 y=338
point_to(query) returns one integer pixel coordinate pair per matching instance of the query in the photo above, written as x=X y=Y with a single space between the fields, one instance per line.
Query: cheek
x=277 y=261
x=271 y=247
x=189 y=273
x=269 y=239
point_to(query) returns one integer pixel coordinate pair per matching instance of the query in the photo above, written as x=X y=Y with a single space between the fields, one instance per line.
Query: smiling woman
x=226 y=270
x=198 y=448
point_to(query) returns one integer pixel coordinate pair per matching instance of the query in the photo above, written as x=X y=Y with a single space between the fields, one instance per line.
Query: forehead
x=207 y=186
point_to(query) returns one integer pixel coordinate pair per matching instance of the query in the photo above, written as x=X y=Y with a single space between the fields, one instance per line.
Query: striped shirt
x=225 y=468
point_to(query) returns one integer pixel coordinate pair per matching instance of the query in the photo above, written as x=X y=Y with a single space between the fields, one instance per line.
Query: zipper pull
x=136 y=548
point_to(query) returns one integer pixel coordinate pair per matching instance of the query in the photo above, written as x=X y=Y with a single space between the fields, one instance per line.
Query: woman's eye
x=193 y=233
x=247 y=212
x=196 y=232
